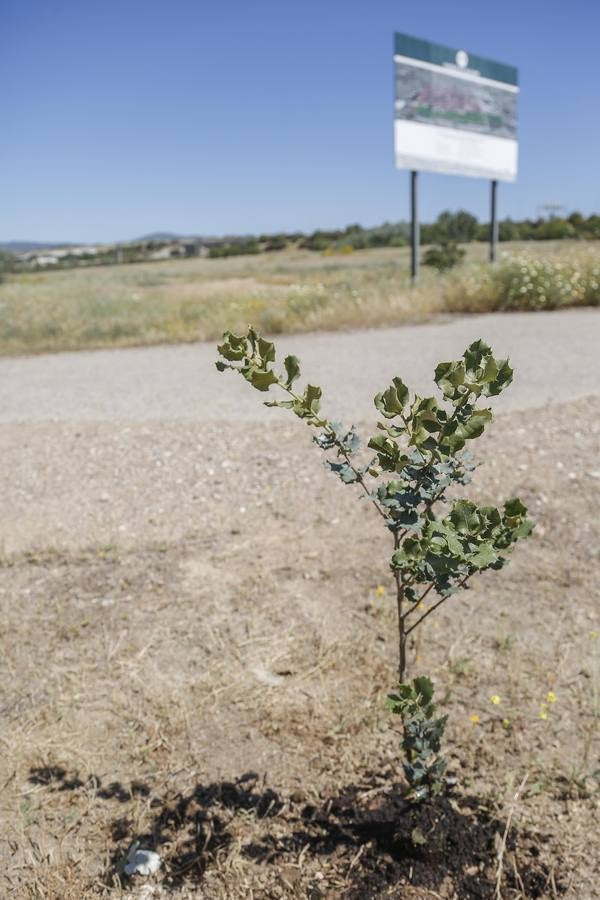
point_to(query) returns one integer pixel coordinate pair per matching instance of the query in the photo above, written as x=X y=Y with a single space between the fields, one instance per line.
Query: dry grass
x=190 y=300
x=141 y=684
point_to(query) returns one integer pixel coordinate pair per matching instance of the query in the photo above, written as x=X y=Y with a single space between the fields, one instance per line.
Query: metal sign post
x=414 y=227
x=494 y=221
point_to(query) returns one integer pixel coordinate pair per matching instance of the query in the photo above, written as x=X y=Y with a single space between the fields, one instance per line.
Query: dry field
x=196 y=299
x=197 y=645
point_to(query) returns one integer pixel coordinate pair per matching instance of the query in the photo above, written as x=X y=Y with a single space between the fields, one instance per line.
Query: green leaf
x=474 y=355
x=490 y=370
x=388 y=452
x=266 y=350
x=292 y=368
x=474 y=426
x=491 y=515
x=423 y=686
x=523 y=530
x=234 y=347
x=449 y=376
x=262 y=381
x=447 y=531
x=392 y=402
x=312 y=395
x=309 y=403
x=484 y=556
x=514 y=507
x=284 y=404
x=502 y=379
x=464 y=517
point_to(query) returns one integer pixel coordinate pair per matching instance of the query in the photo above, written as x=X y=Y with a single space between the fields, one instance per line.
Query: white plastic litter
x=141 y=862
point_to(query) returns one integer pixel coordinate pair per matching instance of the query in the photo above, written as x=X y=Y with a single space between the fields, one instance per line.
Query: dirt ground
x=197 y=659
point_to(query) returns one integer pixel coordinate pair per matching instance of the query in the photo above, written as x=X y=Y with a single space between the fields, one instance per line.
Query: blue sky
x=121 y=118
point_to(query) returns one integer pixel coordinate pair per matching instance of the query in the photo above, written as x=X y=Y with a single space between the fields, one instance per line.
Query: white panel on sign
x=456 y=152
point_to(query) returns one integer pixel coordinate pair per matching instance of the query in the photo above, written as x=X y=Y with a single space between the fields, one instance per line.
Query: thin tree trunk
x=401 y=629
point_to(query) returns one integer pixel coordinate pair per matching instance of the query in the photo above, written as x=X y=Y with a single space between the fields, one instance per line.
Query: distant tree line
x=448 y=229
x=459 y=227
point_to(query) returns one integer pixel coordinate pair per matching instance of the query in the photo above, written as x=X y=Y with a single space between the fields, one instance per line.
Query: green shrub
x=527 y=283
x=417 y=455
x=444 y=256
x=241 y=248
x=524 y=283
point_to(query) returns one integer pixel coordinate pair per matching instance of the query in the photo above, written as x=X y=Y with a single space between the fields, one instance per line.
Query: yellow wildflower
x=495 y=699
x=551 y=697
x=543 y=711
x=594 y=635
x=474 y=718
x=380 y=591
x=506 y=723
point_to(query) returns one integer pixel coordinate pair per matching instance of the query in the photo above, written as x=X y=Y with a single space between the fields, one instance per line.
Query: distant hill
x=159 y=236
x=27 y=246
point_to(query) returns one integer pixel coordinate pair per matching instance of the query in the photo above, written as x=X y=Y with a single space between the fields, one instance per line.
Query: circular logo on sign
x=462 y=59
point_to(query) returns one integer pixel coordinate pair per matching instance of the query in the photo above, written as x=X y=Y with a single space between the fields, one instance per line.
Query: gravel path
x=131 y=447
x=556 y=356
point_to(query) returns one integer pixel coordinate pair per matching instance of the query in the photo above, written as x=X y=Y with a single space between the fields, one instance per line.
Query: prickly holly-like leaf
x=484 y=556
x=292 y=368
x=347 y=474
x=502 y=379
x=449 y=377
x=474 y=426
x=312 y=396
x=262 y=381
x=391 y=402
x=514 y=507
x=523 y=530
x=424 y=688
x=447 y=531
x=408 y=518
x=234 y=347
x=388 y=452
x=266 y=350
x=464 y=517
x=309 y=404
x=490 y=371
x=474 y=356
x=491 y=515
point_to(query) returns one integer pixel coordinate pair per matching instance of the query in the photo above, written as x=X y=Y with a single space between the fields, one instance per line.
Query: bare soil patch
x=212 y=685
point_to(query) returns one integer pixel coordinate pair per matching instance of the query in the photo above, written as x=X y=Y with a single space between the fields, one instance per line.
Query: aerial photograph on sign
x=453 y=101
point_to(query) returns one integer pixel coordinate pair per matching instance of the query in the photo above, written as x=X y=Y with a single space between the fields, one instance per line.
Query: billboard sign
x=454 y=112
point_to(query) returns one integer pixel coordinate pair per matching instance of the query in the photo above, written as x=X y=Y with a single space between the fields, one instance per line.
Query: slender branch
x=358 y=474
x=400 y=587
x=434 y=607
x=435 y=499
x=323 y=423
x=415 y=605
